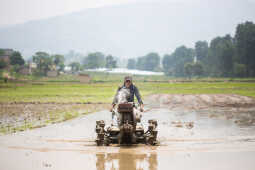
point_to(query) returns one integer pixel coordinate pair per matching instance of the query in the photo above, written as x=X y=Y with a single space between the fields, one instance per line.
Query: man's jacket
x=133 y=92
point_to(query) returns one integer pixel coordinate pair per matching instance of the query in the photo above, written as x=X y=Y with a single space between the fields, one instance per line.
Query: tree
x=3 y=64
x=17 y=59
x=201 y=49
x=152 y=61
x=61 y=67
x=131 y=63
x=1 y=52
x=188 y=68
x=182 y=55
x=168 y=64
x=198 y=69
x=239 y=70
x=140 y=64
x=94 y=60
x=174 y=64
x=110 y=62
x=44 y=62
x=220 y=57
x=59 y=60
x=193 y=69
x=75 y=66
x=245 y=43
x=148 y=62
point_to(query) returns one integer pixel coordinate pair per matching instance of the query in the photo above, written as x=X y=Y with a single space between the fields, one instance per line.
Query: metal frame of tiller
x=112 y=134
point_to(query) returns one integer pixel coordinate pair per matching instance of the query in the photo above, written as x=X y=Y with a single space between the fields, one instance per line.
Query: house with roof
x=5 y=55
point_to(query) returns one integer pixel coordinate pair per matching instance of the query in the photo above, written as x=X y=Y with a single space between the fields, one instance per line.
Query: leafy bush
x=3 y=64
x=239 y=70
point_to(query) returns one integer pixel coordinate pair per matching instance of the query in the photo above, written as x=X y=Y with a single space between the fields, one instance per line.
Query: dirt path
x=195 y=132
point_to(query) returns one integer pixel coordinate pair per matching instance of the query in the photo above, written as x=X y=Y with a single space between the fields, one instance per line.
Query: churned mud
x=195 y=132
x=201 y=101
x=240 y=109
x=21 y=116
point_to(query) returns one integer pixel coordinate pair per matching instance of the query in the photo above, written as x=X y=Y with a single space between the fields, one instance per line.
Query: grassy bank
x=55 y=92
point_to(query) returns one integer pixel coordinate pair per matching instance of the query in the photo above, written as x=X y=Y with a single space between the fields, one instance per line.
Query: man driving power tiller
x=128 y=84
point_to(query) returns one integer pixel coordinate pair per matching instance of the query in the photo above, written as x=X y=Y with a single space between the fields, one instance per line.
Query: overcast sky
x=214 y=17
x=20 y=11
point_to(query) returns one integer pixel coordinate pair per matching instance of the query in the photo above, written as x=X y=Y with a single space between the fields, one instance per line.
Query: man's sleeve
x=115 y=99
x=138 y=96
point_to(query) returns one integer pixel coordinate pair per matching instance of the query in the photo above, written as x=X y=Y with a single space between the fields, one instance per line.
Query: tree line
x=48 y=62
x=45 y=62
x=224 y=56
x=16 y=61
x=94 y=61
x=149 y=62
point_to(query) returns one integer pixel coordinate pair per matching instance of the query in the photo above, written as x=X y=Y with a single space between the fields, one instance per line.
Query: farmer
x=128 y=84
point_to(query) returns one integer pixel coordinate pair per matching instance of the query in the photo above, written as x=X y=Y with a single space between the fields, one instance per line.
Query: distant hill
x=129 y=30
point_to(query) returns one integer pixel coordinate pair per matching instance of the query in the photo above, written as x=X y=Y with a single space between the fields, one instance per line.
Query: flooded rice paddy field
x=195 y=132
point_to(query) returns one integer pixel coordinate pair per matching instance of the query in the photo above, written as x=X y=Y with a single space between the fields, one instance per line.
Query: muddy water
x=187 y=140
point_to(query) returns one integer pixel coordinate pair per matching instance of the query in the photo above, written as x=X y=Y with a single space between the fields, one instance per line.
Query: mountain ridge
x=129 y=30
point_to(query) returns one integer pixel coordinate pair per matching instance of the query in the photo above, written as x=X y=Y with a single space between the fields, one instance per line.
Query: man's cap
x=128 y=78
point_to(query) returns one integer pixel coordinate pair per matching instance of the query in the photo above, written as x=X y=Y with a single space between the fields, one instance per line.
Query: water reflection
x=126 y=161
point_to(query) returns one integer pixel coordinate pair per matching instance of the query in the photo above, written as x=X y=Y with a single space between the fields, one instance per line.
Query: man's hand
x=141 y=108
x=112 y=108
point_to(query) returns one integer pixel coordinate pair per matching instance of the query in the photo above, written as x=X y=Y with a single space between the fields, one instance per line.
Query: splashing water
x=123 y=95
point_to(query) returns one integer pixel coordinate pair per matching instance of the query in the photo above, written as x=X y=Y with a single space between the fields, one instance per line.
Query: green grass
x=246 y=89
x=57 y=92
x=100 y=77
x=101 y=90
x=104 y=92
